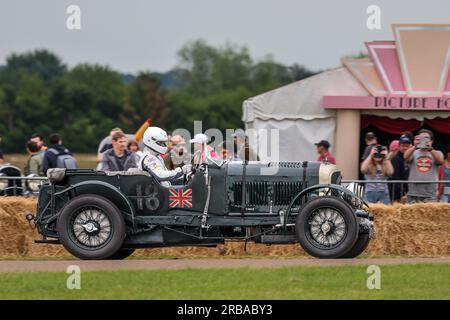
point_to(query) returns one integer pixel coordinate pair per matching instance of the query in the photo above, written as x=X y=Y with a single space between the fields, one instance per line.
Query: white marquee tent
x=296 y=110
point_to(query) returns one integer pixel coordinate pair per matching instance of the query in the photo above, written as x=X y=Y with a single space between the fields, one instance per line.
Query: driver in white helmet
x=155 y=140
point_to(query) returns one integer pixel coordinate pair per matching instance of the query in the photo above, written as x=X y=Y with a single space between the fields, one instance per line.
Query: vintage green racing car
x=108 y=215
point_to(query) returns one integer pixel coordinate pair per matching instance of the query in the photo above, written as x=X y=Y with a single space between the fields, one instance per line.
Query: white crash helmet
x=156 y=139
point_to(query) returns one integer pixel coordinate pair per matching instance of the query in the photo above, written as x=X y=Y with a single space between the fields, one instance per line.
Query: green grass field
x=421 y=281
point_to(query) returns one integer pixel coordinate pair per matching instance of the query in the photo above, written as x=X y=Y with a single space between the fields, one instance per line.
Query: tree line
x=40 y=94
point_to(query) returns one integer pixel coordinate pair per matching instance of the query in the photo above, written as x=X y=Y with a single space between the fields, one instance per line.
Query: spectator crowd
x=119 y=153
x=411 y=159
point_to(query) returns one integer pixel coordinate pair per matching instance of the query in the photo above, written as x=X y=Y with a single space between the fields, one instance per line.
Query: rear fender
x=106 y=190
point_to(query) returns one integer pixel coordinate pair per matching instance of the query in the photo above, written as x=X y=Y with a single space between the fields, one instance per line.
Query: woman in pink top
x=201 y=149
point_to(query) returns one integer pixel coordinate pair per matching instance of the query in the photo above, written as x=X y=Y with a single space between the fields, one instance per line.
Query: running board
x=278 y=238
x=52 y=241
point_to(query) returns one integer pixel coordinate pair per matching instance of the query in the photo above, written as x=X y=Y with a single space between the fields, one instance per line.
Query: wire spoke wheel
x=91 y=227
x=327 y=227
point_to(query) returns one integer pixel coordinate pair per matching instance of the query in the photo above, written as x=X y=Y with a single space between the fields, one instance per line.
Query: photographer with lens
x=424 y=162
x=376 y=167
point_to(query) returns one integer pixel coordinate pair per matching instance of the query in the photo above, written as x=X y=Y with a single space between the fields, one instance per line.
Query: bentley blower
x=108 y=215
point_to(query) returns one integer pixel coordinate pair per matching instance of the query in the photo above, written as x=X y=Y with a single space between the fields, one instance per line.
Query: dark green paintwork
x=145 y=203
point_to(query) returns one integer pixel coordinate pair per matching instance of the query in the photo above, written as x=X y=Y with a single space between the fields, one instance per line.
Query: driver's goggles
x=161 y=143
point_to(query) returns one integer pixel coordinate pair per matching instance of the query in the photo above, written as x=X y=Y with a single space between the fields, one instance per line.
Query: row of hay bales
x=401 y=230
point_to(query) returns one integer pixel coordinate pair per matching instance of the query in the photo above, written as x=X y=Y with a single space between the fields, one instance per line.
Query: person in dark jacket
x=118 y=158
x=51 y=157
x=401 y=170
x=107 y=145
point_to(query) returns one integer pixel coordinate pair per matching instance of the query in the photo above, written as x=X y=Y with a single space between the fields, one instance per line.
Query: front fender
x=336 y=190
x=359 y=202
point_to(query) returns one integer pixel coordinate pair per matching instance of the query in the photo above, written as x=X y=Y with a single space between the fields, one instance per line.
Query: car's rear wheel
x=123 y=253
x=326 y=227
x=91 y=227
x=360 y=245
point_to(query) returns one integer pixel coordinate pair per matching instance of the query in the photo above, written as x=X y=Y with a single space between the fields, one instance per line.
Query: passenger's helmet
x=156 y=139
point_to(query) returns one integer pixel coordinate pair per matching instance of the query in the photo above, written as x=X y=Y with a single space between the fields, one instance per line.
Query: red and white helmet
x=156 y=139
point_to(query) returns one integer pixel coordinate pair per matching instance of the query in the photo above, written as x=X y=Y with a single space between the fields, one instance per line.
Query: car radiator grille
x=260 y=193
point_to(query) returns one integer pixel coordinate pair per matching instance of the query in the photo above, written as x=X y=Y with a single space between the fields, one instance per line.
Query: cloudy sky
x=137 y=35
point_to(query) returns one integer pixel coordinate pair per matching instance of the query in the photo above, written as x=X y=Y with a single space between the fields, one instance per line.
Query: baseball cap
x=404 y=139
x=239 y=133
x=323 y=143
x=199 y=138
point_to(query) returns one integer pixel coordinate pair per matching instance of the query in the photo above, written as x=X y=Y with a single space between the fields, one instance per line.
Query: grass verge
x=419 y=281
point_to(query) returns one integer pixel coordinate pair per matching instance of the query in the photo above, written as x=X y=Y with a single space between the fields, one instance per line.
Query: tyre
x=360 y=245
x=121 y=254
x=91 y=227
x=326 y=227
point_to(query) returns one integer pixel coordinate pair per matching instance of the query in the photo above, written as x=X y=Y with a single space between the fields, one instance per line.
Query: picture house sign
x=387 y=103
x=410 y=72
x=405 y=79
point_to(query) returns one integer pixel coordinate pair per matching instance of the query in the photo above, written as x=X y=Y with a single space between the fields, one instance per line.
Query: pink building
x=403 y=85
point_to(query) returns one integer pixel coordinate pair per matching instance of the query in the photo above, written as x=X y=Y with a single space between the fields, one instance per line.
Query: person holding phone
x=424 y=162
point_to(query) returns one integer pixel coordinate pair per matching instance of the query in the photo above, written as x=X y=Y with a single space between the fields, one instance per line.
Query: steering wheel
x=195 y=166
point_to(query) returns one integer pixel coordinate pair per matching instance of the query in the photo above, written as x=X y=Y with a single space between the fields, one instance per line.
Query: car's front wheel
x=326 y=227
x=123 y=253
x=91 y=227
x=361 y=244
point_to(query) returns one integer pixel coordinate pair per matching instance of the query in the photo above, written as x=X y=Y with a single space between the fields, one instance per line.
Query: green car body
x=237 y=200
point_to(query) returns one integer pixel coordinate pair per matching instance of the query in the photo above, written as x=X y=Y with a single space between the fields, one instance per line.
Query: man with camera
x=377 y=168
x=424 y=162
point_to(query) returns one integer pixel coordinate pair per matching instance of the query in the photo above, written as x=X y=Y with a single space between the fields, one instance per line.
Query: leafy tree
x=216 y=80
x=20 y=109
x=38 y=93
x=88 y=101
x=95 y=87
x=196 y=66
x=268 y=74
x=145 y=98
x=300 y=72
x=42 y=63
